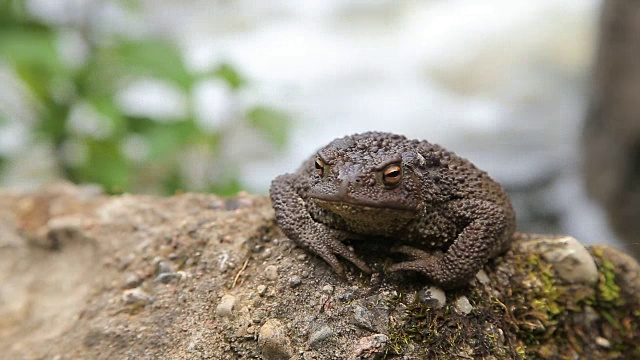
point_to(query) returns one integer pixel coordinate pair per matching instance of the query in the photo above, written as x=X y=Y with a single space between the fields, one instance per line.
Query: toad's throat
x=372 y=217
x=341 y=201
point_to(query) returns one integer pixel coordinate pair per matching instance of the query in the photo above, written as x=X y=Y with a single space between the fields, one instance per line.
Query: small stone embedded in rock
x=369 y=348
x=164 y=267
x=165 y=278
x=363 y=317
x=319 y=336
x=226 y=305
x=347 y=296
x=432 y=296
x=295 y=281
x=463 y=305
x=603 y=342
x=273 y=341
x=327 y=289
x=261 y=289
x=482 y=277
x=64 y=227
x=271 y=272
x=131 y=281
x=136 y=296
x=571 y=260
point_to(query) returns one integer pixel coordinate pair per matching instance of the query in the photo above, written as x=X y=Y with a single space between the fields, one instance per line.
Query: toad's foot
x=423 y=262
x=327 y=244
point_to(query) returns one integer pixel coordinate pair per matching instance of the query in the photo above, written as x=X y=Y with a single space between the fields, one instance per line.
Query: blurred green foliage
x=30 y=47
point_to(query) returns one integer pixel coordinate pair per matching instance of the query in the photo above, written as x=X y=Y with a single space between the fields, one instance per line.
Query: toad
x=446 y=216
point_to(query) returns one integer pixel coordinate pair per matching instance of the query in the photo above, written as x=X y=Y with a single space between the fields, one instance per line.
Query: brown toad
x=385 y=185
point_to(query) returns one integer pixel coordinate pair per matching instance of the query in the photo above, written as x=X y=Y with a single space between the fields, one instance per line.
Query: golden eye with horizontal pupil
x=392 y=175
x=319 y=167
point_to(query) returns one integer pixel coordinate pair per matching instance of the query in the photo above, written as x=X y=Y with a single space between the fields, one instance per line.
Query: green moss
x=609 y=291
x=541 y=316
x=434 y=333
x=540 y=291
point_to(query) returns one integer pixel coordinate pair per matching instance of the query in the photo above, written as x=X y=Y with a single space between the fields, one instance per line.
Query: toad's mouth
x=333 y=201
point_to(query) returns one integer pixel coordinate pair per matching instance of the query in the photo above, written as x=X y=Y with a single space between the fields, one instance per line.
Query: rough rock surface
x=195 y=276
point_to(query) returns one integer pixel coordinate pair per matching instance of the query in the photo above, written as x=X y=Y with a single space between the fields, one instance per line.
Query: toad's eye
x=392 y=175
x=319 y=167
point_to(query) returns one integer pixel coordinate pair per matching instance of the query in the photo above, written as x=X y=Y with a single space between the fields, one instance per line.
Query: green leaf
x=35 y=58
x=272 y=123
x=33 y=49
x=106 y=166
x=167 y=139
x=229 y=187
x=229 y=74
x=153 y=58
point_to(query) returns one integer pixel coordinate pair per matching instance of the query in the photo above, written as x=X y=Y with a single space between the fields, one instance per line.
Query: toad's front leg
x=484 y=231
x=295 y=221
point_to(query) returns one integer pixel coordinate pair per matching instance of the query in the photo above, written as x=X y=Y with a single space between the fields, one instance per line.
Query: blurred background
x=159 y=96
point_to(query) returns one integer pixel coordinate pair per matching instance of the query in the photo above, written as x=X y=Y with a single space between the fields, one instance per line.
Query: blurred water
x=500 y=82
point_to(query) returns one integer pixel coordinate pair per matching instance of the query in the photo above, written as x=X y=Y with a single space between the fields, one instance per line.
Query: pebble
x=363 y=317
x=327 y=289
x=369 y=347
x=347 y=296
x=432 y=296
x=271 y=272
x=273 y=341
x=463 y=305
x=258 y=316
x=482 y=277
x=136 y=296
x=571 y=260
x=131 y=281
x=603 y=342
x=261 y=289
x=319 y=336
x=226 y=305
x=164 y=267
x=237 y=203
x=295 y=281
x=165 y=278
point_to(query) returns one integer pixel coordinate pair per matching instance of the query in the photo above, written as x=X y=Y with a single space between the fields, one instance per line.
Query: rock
x=628 y=269
x=273 y=341
x=568 y=256
x=369 y=347
x=363 y=317
x=131 y=281
x=226 y=305
x=433 y=296
x=319 y=336
x=372 y=313
x=271 y=272
x=81 y=283
x=463 y=305
x=327 y=289
x=164 y=267
x=482 y=277
x=295 y=281
x=603 y=342
x=165 y=278
x=136 y=296
x=261 y=289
